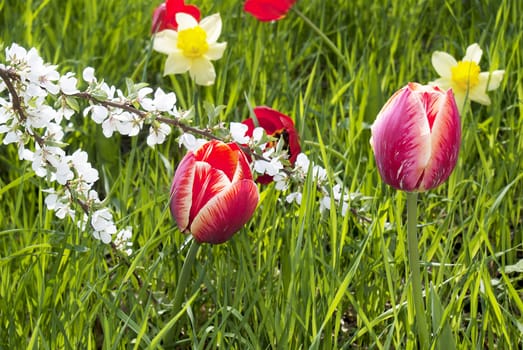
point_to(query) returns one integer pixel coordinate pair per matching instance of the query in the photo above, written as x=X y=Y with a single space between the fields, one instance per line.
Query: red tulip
x=276 y=125
x=268 y=10
x=164 y=16
x=213 y=194
x=416 y=138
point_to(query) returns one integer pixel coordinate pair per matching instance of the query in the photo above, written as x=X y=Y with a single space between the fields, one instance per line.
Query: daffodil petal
x=165 y=41
x=473 y=53
x=185 y=21
x=479 y=93
x=212 y=26
x=202 y=71
x=176 y=63
x=442 y=83
x=215 y=51
x=442 y=63
x=494 y=79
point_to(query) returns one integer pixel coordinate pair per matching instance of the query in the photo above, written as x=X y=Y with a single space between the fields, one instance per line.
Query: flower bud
x=213 y=194
x=416 y=138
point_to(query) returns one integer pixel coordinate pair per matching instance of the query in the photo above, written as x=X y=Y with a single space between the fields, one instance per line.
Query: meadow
x=295 y=276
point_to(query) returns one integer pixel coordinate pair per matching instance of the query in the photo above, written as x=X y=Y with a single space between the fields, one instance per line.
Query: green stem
x=324 y=37
x=183 y=281
x=184 y=275
x=414 y=265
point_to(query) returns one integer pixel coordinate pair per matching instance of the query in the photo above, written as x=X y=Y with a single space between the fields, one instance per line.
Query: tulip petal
x=445 y=142
x=443 y=62
x=226 y=213
x=219 y=155
x=181 y=191
x=207 y=183
x=268 y=10
x=402 y=155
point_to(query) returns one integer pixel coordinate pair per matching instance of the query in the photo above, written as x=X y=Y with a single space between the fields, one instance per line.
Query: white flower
x=103 y=225
x=190 y=142
x=238 y=131
x=302 y=162
x=294 y=197
x=162 y=102
x=157 y=133
x=83 y=168
x=122 y=241
x=465 y=77
x=88 y=75
x=60 y=204
x=192 y=47
x=68 y=83
x=98 y=113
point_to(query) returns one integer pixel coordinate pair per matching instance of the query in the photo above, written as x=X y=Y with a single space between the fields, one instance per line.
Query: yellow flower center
x=193 y=42
x=466 y=74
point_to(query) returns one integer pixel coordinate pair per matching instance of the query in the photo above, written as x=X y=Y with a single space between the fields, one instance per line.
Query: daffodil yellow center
x=193 y=42
x=466 y=74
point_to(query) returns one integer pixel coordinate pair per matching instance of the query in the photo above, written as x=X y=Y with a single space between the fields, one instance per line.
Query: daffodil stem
x=414 y=265
x=183 y=282
x=322 y=35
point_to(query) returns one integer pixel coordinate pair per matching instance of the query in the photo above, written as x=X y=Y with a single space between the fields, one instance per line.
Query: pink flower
x=268 y=10
x=416 y=138
x=164 y=16
x=213 y=194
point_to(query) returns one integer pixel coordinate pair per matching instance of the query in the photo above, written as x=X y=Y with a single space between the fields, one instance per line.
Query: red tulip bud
x=416 y=138
x=277 y=125
x=213 y=194
x=268 y=10
x=164 y=16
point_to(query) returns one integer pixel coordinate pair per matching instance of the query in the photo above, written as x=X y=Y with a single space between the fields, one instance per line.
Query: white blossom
x=238 y=131
x=157 y=133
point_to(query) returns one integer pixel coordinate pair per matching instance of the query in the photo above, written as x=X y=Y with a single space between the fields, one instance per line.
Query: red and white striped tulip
x=213 y=194
x=416 y=138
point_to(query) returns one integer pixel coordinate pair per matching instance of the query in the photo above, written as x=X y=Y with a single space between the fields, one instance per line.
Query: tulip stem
x=183 y=282
x=414 y=265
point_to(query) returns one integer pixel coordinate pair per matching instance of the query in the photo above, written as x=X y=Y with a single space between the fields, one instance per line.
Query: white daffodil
x=192 y=47
x=465 y=77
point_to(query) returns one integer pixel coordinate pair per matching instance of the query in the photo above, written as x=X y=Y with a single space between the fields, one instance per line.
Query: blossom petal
x=165 y=41
x=402 y=155
x=185 y=21
x=226 y=213
x=445 y=141
x=215 y=51
x=176 y=63
x=442 y=63
x=202 y=71
x=212 y=26
x=473 y=53
x=181 y=191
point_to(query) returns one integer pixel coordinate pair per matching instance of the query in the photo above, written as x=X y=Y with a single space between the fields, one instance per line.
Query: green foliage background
x=293 y=277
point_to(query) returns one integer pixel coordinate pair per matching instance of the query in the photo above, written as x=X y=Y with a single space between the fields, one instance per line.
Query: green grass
x=292 y=278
